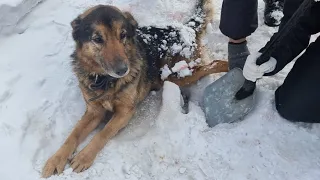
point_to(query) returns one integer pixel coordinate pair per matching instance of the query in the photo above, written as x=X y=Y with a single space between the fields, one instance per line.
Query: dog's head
x=103 y=35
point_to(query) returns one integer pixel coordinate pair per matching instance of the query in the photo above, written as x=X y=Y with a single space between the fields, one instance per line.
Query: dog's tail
x=216 y=66
x=202 y=16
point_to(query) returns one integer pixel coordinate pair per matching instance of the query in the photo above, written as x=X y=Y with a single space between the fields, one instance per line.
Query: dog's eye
x=97 y=39
x=123 y=35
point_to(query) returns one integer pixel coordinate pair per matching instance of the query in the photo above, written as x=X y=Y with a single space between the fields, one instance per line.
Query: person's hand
x=252 y=72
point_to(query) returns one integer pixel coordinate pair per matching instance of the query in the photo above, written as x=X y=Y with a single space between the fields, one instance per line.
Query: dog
x=117 y=64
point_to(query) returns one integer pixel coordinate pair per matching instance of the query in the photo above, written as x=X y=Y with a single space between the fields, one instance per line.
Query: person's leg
x=298 y=98
x=239 y=19
x=237 y=53
x=273 y=12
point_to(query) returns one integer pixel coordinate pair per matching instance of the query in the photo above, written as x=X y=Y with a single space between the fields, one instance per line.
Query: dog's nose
x=122 y=69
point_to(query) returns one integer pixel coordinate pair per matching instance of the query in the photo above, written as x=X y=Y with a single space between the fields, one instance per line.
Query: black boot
x=273 y=12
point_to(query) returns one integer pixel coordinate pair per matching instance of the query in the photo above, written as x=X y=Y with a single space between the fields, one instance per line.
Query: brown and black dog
x=117 y=64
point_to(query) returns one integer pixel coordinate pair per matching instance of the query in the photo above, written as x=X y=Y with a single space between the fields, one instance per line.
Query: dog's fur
x=117 y=68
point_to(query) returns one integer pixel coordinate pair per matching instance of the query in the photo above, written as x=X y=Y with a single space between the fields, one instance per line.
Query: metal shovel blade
x=220 y=105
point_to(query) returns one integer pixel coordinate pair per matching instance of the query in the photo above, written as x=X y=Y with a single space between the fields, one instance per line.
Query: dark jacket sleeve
x=298 y=38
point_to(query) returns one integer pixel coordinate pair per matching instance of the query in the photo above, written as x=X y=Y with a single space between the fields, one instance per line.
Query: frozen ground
x=40 y=103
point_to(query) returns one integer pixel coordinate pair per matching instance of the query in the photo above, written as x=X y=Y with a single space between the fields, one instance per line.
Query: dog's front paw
x=54 y=165
x=82 y=161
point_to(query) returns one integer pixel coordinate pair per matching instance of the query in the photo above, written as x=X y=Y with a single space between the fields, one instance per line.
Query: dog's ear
x=76 y=29
x=75 y=23
x=132 y=24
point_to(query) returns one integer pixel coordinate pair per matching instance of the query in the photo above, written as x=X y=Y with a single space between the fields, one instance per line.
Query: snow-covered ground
x=40 y=103
x=12 y=12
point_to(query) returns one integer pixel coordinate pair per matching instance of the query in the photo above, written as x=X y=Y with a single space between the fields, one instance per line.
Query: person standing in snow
x=239 y=19
x=297 y=99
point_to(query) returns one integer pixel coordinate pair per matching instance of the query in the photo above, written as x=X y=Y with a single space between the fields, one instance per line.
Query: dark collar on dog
x=101 y=82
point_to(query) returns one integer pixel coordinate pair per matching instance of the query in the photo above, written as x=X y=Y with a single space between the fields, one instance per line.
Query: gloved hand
x=252 y=71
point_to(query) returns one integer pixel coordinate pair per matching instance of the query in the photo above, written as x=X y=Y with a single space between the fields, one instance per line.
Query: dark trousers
x=297 y=99
x=239 y=18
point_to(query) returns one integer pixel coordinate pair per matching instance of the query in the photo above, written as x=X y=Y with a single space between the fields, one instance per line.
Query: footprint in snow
x=5 y=96
x=14 y=80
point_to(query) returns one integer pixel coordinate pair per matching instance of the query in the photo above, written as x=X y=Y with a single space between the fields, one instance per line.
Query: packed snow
x=40 y=104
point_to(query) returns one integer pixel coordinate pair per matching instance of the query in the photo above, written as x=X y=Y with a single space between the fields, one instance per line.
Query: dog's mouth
x=117 y=74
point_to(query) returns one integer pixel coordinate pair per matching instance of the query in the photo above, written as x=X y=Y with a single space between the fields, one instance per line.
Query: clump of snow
x=176 y=48
x=209 y=29
x=182 y=170
x=194 y=63
x=165 y=72
x=188 y=36
x=277 y=15
x=188 y=42
x=182 y=68
x=184 y=72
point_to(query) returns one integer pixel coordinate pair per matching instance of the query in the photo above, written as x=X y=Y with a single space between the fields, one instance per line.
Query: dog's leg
x=201 y=71
x=85 y=158
x=88 y=122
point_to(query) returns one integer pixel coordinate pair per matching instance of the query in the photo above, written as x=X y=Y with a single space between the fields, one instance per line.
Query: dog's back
x=169 y=45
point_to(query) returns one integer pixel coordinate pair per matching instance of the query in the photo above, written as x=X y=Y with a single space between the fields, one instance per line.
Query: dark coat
x=299 y=37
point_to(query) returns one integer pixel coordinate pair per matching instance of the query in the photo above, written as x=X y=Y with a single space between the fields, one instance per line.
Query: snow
x=277 y=15
x=193 y=63
x=10 y=2
x=182 y=68
x=12 y=12
x=165 y=72
x=40 y=104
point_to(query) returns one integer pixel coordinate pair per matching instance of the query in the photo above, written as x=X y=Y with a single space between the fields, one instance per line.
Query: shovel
x=230 y=98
